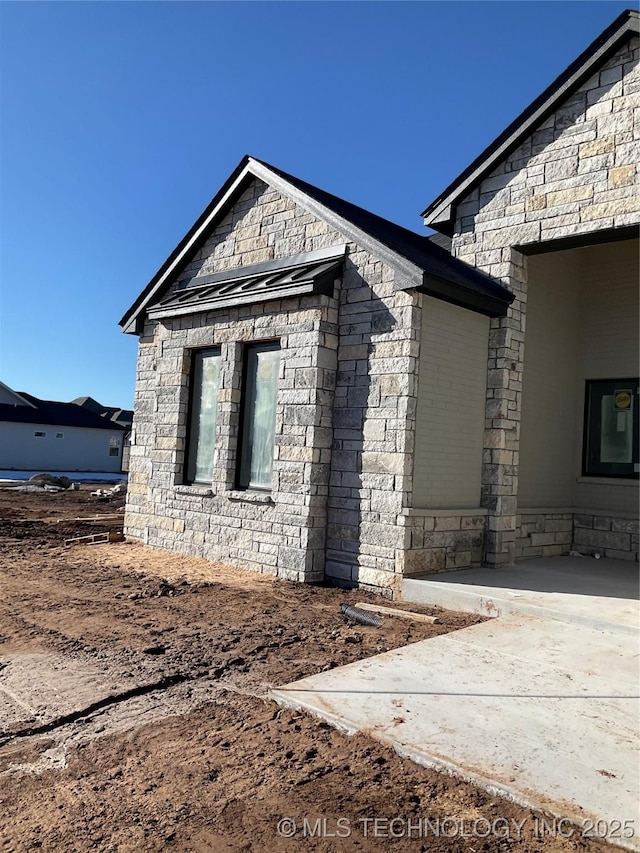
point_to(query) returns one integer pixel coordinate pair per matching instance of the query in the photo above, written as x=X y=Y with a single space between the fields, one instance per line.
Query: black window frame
x=266 y=345
x=592 y=429
x=194 y=354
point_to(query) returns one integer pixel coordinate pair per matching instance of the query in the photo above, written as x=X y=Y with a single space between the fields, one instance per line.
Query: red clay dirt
x=134 y=713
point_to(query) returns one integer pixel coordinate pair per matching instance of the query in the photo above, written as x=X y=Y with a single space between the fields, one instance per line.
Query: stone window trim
x=236 y=495
x=249 y=496
x=227 y=459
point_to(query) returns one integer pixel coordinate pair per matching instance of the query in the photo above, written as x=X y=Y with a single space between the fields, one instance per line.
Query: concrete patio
x=539 y=705
x=575 y=589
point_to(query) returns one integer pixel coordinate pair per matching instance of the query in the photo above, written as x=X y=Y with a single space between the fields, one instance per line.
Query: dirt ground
x=134 y=709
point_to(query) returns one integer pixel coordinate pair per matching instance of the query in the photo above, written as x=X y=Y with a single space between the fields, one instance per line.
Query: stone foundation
x=610 y=535
x=552 y=533
x=442 y=540
x=543 y=533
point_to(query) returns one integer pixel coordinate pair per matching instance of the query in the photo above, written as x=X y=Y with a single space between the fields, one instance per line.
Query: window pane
x=611 y=428
x=204 y=405
x=260 y=417
x=616 y=437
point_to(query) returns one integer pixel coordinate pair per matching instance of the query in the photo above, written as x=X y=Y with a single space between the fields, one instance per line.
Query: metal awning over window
x=313 y=272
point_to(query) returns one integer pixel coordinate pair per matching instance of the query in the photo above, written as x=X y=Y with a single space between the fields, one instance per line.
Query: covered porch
x=578 y=463
x=581 y=590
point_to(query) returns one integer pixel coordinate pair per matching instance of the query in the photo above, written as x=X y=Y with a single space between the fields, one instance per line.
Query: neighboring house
x=43 y=435
x=314 y=397
x=124 y=417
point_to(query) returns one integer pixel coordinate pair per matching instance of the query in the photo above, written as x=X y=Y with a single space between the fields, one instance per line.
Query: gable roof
x=53 y=413
x=421 y=263
x=440 y=214
x=112 y=413
x=16 y=399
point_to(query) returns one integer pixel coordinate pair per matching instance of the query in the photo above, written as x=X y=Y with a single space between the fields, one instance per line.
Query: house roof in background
x=440 y=214
x=52 y=413
x=17 y=399
x=113 y=413
x=421 y=263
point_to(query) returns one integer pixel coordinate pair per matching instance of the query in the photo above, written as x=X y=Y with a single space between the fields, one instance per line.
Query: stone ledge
x=440 y=513
x=249 y=497
x=195 y=491
x=577 y=510
x=608 y=481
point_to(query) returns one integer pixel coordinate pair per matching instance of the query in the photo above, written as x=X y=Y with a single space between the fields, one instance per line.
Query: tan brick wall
x=450 y=416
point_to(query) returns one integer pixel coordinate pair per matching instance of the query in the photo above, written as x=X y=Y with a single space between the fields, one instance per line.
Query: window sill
x=609 y=481
x=249 y=497
x=195 y=491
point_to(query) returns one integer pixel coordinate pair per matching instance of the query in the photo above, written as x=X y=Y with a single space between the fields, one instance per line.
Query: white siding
x=80 y=449
x=451 y=402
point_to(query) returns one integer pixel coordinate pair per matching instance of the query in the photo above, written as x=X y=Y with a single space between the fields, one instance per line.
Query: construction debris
x=93 y=519
x=48 y=480
x=97 y=538
x=356 y=614
x=113 y=492
x=393 y=611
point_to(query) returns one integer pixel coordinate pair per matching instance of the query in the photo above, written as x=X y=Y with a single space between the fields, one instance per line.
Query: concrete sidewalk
x=540 y=710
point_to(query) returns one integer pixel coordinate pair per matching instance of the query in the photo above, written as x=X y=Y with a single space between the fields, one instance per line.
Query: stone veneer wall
x=548 y=533
x=280 y=533
x=576 y=174
x=541 y=533
x=344 y=424
x=440 y=541
x=374 y=422
x=607 y=534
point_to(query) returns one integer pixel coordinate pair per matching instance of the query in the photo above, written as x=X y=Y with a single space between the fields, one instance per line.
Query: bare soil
x=134 y=709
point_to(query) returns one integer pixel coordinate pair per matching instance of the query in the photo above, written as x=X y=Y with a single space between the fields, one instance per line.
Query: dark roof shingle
x=53 y=413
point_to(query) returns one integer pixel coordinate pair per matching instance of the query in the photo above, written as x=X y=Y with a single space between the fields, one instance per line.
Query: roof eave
x=439 y=215
x=472 y=300
x=355 y=234
x=133 y=319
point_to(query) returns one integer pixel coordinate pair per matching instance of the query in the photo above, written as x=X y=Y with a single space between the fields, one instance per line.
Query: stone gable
x=577 y=173
x=262 y=225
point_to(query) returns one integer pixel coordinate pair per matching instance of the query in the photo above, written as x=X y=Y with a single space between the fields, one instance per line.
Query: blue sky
x=120 y=120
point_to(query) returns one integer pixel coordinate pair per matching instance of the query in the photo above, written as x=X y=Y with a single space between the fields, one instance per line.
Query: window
x=114 y=446
x=205 y=381
x=39 y=434
x=59 y=435
x=611 y=428
x=259 y=416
